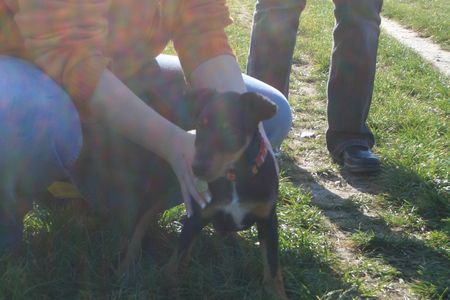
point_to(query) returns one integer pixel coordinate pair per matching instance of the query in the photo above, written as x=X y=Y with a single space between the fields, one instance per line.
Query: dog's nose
x=200 y=169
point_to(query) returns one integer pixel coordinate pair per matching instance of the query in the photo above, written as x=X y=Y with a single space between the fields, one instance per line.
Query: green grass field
x=428 y=17
x=341 y=237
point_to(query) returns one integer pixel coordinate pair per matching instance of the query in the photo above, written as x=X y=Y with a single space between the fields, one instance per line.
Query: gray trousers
x=353 y=61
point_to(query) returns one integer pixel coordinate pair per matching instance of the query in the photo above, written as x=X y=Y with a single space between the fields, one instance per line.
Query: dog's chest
x=235 y=208
x=237 y=213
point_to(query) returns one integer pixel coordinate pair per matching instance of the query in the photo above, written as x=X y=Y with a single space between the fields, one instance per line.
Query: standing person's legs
x=274 y=32
x=40 y=139
x=351 y=80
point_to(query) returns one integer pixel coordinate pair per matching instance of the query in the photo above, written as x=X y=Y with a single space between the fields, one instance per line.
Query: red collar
x=259 y=160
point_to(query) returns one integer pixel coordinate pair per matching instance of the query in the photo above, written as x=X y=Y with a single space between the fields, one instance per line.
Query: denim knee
x=277 y=128
x=40 y=136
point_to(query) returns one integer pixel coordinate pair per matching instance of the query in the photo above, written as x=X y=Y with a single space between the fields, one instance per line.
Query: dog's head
x=225 y=125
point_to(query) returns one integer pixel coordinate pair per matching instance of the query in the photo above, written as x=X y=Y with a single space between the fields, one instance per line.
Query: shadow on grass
x=220 y=270
x=400 y=185
x=72 y=256
x=425 y=267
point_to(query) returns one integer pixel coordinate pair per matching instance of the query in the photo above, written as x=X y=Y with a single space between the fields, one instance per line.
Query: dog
x=242 y=174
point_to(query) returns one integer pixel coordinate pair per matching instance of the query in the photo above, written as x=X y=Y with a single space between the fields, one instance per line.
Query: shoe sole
x=368 y=169
x=357 y=169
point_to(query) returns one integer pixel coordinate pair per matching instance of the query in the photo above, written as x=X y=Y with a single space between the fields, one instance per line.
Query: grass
x=409 y=117
x=387 y=243
x=428 y=17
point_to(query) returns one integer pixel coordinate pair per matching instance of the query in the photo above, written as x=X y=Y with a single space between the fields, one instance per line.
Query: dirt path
x=423 y=46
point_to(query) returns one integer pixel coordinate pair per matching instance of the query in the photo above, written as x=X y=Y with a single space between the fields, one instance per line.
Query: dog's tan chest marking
x=235 y=209
x=239 y=210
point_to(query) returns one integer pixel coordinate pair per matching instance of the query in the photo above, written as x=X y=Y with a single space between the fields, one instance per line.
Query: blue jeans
x=40 y=138
x=353 y=61
x=42 y=141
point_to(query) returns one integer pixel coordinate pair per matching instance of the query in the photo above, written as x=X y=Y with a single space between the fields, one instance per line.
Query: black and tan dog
x=242 y=175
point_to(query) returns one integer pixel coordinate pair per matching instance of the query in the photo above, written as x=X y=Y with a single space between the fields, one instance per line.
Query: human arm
x=221 y=73
x=123 y=111
x=117 y=106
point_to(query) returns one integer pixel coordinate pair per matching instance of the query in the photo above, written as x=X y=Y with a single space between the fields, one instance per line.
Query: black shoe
x=359 y=159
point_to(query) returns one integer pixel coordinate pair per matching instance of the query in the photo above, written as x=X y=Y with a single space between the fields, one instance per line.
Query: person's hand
x=180 y=158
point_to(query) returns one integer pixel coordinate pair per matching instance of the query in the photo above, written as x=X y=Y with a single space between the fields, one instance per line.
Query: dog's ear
x=197 y=99
x=259 y=106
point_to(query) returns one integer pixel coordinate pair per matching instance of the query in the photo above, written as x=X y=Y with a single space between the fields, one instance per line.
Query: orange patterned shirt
x=73 y=41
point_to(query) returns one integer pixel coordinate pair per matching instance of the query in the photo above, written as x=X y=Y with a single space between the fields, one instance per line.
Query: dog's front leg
x=191 y=228
x=268 y=237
